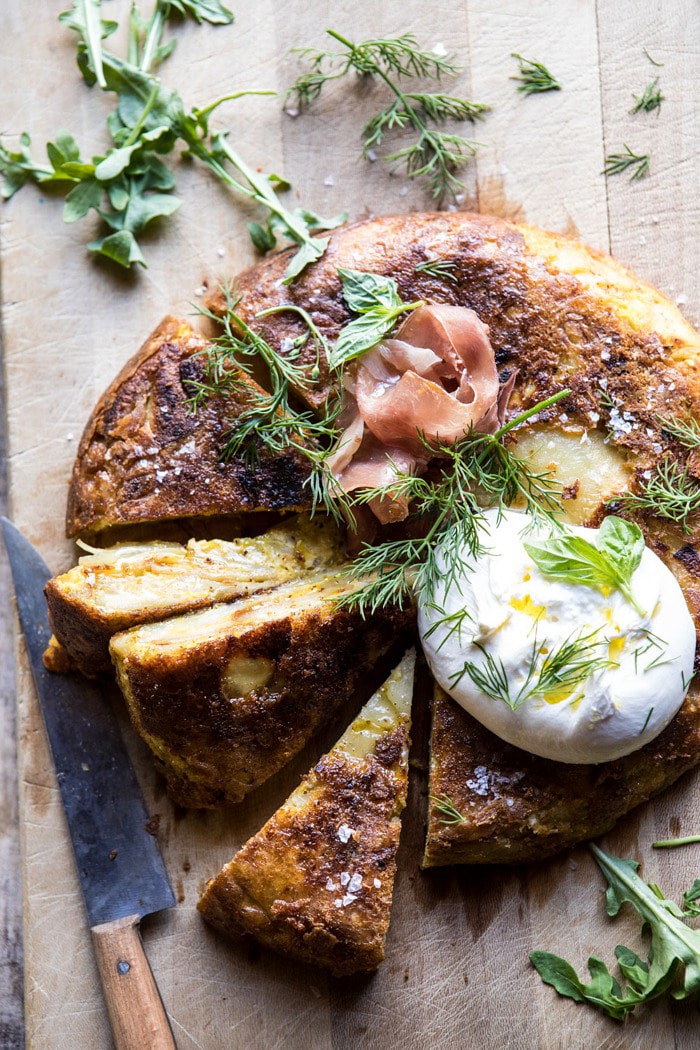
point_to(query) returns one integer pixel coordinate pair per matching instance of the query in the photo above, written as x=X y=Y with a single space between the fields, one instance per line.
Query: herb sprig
x=608 y=564
x=649 y=100
x=436 y=155
x=449 y=814
x=440 y=269
x=533 y=76
x=637 y=163
x=674 y=947
x=129 y=186
x=560 y=670
x=670 y=493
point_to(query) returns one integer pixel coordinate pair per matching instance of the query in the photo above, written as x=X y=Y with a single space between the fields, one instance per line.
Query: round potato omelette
x=562 y=315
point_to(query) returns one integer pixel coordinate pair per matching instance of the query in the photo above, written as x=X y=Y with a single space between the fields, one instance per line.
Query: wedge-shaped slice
x=225 y=696
x=129 y=584
x=316 y=882
x=145 y=456
x=491 y=803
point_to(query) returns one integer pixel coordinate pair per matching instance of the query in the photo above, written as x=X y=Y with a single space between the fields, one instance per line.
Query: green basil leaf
x=361 y=334
x=623 y=542
x=367 y=291
x=81 y=199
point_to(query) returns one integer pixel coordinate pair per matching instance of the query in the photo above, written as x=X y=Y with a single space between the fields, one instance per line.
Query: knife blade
x=119 y=864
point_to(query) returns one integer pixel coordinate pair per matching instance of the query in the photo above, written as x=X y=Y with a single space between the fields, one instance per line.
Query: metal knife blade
x=120 y=868
x=119 y=863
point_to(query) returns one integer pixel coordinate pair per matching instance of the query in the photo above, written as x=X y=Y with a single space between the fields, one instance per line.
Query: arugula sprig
x=436 y=155
x=129 y=185
x=674 y=947
x=608 y=564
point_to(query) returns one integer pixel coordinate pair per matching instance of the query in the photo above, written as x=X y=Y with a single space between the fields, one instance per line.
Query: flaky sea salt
x=355 y=883
x=344 y=878
x=345 y=833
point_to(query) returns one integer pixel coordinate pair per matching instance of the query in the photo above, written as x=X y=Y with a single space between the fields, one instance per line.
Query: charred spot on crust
x=689 y=557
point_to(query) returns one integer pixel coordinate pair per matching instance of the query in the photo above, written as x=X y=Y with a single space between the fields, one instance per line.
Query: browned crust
x=277 y=886
x=518 y=807
x=543 y=320
x=213 y=749
x=145 y=457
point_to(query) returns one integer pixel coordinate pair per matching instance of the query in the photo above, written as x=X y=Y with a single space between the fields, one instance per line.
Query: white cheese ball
x=516 y=613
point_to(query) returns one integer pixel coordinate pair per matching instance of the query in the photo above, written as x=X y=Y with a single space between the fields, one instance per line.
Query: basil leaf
x=609 y=564
x=623 y=542
x=367 y=291
x=362 y=333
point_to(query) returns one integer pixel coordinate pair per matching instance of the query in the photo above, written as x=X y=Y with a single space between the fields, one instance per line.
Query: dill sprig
x=476 y=472
x=533 y=76
x=685 y=432
x=446 y=807
x=650 y=99
x=269 y=418
x=670 y=493
x=436 y=155
x=565 y=667
x=617 y=163
x=441 y=269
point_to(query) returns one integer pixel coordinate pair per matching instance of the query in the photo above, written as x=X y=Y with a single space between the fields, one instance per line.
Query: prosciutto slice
x=430 y=385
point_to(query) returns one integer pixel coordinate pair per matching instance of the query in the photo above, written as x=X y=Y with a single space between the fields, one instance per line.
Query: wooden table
x=457 y=972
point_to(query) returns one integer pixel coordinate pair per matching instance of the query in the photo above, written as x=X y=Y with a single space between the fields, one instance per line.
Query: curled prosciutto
x=433 y=382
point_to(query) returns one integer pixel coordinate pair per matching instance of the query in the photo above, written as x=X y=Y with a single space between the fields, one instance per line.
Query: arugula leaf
x=674 y=946
x=201 y=10
x=691 y=898
x=609 y=563
x=86 y=19
x=377 y=301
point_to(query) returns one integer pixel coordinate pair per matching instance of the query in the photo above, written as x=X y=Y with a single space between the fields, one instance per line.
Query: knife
x=120 y=867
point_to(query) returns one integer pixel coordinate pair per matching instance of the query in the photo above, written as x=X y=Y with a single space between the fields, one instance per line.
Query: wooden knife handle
x=136 y=1011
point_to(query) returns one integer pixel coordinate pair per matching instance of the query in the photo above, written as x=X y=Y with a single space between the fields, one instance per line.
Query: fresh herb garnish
x=559 y=670
x=436 y=155
x=674 y=947
x=609 y=564
x=671 y=492
x=129 y=186
x=691 y=898
x=441 y=269
x=478 y=470
x=533 y=76
x=650 y=99
x=376 y=301
x=450 y=815
x=685 y=432
x=616 y=163
x=687 y=840
x=269 y=419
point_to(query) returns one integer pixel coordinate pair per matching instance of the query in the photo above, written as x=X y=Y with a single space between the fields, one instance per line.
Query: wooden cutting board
x=457 y=971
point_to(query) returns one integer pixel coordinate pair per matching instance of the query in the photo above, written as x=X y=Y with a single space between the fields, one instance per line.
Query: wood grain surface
x=456 y=972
